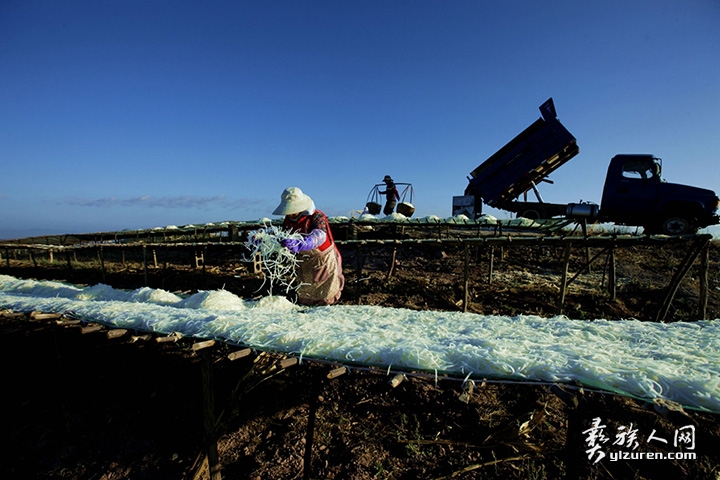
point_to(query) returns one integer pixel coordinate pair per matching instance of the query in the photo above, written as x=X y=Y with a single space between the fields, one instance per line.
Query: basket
x=406 y=209
x=373 y=208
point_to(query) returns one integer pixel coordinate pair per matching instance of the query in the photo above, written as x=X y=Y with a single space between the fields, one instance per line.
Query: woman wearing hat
x=320 y=270
x=392 y=195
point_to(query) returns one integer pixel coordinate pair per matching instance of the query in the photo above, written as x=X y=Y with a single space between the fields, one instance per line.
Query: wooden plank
x=202 y=345
x=336 y=372
x=397 y=380
x=288 y=362
x=116 y=333
x=236 y=355
x=141 y=338
x=91 y=329
x=63 y=322
x=45 y=316
x=168 y=339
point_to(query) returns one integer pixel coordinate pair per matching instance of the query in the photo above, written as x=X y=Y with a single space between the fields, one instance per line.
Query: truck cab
x=636 y=194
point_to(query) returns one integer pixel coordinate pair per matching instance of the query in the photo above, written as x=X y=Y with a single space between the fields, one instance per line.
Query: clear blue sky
x=138 y=114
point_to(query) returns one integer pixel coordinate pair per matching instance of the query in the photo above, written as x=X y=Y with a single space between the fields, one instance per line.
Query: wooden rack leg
x=316 y=390
x=358 y=274
x=612 y=275
x=101 y=256
x=587 y=250
x=563 y=281
x=145 y=264
x=491 y=265
x=209 y=416
x=466 y=282
x=68 y=260
x=680 y=274
x=392 y=263
x=703 y=293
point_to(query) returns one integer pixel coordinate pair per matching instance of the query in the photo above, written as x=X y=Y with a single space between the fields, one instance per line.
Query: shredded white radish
x=277 y=261
x=675 y=362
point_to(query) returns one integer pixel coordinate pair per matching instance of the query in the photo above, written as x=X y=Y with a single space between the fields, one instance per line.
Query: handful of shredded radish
x=277 y=261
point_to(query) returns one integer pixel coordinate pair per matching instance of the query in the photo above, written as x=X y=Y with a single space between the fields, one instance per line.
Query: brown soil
x=86 y=406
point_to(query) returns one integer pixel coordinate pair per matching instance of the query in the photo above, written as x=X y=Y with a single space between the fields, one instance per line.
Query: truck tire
x=677 y=225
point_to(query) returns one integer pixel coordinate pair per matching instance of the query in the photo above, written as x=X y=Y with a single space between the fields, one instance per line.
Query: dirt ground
x=82 y=405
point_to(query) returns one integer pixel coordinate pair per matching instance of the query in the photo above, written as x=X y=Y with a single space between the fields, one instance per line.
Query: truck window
x=641 y=169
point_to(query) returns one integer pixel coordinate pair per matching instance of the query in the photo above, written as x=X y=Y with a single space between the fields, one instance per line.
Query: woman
x=320 y=270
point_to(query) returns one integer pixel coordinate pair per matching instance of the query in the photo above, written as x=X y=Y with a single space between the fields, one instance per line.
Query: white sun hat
x=293 y=200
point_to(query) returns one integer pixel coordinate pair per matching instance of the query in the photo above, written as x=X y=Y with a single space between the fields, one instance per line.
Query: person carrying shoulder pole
x=391 y=193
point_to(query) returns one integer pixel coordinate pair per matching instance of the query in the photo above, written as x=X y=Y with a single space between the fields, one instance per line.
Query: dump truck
x=634 y=193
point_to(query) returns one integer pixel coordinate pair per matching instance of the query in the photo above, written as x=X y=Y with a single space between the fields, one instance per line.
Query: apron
x=320 y=275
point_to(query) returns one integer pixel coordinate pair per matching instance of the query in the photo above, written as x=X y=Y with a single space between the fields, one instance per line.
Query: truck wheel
x=677 y=225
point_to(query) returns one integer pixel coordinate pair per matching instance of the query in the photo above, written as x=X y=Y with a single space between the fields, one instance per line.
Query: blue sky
x=138 y=114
